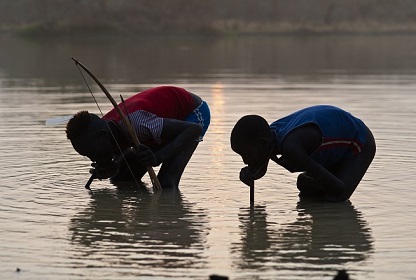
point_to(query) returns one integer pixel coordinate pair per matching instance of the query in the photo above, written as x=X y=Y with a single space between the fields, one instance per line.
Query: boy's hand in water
x=103 y=172
x=246 y=177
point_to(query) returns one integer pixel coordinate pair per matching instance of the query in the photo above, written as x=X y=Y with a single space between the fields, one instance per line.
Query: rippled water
x=52 y=228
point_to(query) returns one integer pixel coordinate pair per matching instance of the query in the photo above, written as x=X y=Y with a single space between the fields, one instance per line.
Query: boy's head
x=91 y=137
x=251 y=138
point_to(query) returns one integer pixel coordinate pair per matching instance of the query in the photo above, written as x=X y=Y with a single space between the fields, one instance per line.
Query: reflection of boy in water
x=322 y=234
x=169 y=123
x=333 y=149
x=142 y=228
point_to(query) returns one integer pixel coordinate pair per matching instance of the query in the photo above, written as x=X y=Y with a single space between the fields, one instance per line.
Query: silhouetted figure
x=169 y=123
x=330 y=146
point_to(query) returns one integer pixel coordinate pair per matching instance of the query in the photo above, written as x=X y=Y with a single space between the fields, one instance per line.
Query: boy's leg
x=352 y=170
x=308 y=187
x=171 y=171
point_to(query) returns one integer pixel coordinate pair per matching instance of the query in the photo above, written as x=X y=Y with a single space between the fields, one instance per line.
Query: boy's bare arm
x=296 y=149
x=178 y=134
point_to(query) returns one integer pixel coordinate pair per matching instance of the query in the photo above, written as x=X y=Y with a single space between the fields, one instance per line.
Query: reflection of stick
x=252 y=193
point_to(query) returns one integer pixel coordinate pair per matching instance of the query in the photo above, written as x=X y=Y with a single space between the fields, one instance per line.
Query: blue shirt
x=343 y=135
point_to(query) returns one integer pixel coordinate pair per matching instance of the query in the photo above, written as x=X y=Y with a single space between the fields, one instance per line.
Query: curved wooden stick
x=130 y=129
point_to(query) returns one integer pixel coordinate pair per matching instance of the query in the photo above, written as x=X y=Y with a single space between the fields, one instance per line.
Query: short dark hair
x=78 y=125
x=249 y=129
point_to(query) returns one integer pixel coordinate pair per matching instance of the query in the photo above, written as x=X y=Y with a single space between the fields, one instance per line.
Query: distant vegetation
x=206 y=16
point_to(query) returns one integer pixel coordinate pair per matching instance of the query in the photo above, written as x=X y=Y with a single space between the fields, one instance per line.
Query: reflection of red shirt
x=147 y=109
x=165 y=102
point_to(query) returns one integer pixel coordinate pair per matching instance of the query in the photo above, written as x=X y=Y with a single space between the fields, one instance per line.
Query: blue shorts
x=202 y=116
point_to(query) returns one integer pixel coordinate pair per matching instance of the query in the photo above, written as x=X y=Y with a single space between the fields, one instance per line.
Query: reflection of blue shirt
x=343 y=135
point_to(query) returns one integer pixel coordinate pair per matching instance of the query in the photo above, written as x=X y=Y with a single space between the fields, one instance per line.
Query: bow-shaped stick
x=127 y=124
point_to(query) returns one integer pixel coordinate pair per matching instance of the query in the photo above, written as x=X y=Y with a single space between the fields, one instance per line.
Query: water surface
x=52 y=228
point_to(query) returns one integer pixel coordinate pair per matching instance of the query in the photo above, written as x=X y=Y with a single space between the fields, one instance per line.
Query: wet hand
x=246 y=177
x=103 y=172
x=145 y=156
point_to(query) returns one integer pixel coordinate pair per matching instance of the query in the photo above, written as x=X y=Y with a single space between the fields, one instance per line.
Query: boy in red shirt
x=169 y=122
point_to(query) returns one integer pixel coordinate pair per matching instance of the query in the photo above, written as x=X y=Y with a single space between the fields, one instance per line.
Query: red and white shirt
x=146 y=111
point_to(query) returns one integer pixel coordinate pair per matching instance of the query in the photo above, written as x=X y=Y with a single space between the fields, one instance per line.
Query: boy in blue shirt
x=332 y=148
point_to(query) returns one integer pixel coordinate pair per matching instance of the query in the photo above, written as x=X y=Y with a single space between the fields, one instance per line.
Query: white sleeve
x=148 y=126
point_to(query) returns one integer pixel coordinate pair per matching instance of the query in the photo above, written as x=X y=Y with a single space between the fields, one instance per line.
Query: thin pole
x=252 y=193
x=87 y=185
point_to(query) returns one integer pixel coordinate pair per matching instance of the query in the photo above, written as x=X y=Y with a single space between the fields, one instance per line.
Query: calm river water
x=52 y=228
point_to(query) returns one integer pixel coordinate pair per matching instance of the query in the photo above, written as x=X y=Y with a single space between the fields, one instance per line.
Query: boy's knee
x=307 y=186
x=304 y=181
x=301 y=178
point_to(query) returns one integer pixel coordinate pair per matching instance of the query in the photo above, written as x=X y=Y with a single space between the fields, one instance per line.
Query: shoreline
x=215 y=18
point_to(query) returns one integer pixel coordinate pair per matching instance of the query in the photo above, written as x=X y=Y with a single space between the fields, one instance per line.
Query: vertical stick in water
x=87 y=185
x=252 y=193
